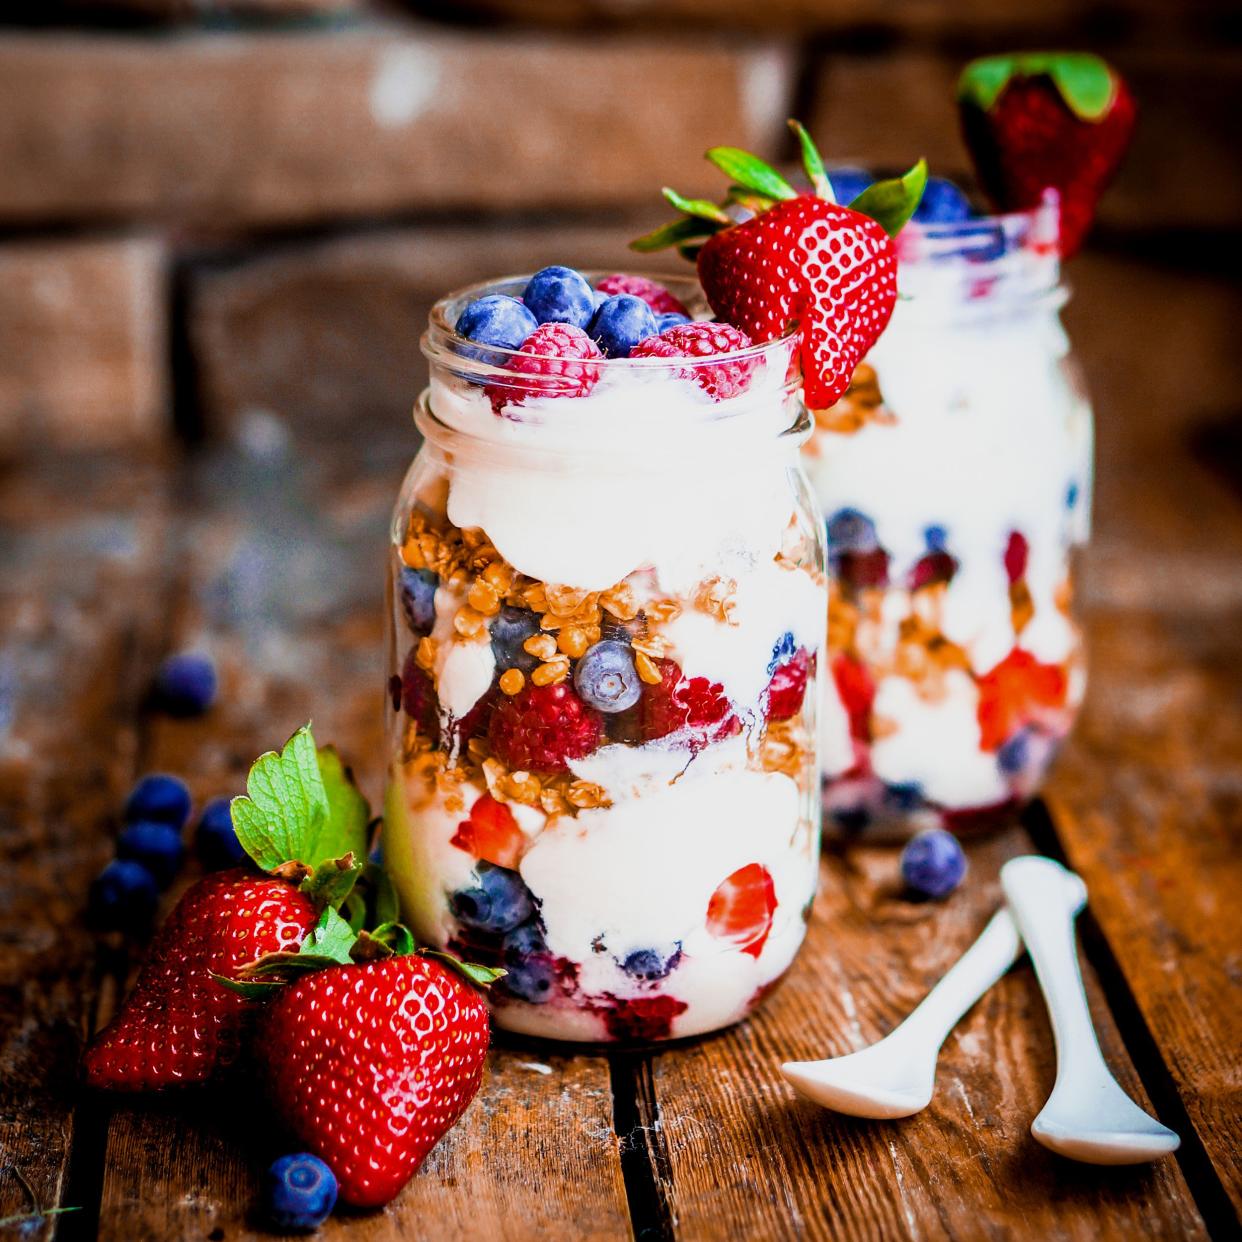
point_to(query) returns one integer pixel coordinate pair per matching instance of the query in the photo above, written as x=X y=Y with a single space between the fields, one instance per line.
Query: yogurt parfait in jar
x=955 y=481
x=608 y=584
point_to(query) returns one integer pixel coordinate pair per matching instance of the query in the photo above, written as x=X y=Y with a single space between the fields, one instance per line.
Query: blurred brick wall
x=209 y=209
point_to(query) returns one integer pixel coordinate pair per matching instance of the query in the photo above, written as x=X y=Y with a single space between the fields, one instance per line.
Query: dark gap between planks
x=645 y=1166
x=1205 y=1185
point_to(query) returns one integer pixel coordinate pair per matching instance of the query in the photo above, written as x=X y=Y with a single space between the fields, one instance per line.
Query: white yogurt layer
x=566 y=502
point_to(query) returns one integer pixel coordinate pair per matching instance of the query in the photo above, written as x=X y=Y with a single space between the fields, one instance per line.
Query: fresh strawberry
x=178 y=1025
x=542 y=727
x=369 y=1065
x=554 y=361
x=491 y=833
x=1018 y=690
x=741 y=908
x=655 y=295
x=1040 y=120
x=303 y=819
x=787 y=688
x=679 y=703
x=798 y=260
x=721 y=379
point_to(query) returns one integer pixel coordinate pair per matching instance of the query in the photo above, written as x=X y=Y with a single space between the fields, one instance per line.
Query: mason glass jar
x=604 y=650
x=955 y=481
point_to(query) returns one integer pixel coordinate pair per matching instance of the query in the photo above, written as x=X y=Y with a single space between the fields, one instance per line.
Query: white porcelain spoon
x=895 y=1077
x=1088 y=1116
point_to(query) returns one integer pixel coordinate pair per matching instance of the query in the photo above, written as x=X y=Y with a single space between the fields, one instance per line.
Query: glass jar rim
x=441 y=341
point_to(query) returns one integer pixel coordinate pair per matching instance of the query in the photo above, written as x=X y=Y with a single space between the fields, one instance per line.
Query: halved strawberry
x=1040 y=120
x=741 y=909
x=1016 y=692
x=491 y=833
x=798 y=259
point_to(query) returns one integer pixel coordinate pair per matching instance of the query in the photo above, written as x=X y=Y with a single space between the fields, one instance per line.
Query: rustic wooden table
x=269 y=554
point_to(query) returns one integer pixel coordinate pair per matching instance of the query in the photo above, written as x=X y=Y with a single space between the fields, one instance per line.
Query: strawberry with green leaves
x=772 y=258
x=1046 y=120
x=304 y=825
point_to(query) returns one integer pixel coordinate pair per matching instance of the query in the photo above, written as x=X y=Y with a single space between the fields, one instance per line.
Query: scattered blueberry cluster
x=618 y=314
x=942 y=201
x=150 y=851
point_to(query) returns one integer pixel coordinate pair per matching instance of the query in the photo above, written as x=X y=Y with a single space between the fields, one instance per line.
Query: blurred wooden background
x=216 y=208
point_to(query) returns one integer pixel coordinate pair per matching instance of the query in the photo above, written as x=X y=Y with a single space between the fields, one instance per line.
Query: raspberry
x=679 y=703
x=787 y=688
x=1017 y=550
x=655 y=295
x=418 y=698
x=542 y=728
x=556 y=358
x=720 y=380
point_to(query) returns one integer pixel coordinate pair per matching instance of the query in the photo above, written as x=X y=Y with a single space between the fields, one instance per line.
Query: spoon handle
x=1031 y=887
x=997 y=948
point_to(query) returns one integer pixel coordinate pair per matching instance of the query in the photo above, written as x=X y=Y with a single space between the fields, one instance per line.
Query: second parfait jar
x=955 y=481
x=607 y=604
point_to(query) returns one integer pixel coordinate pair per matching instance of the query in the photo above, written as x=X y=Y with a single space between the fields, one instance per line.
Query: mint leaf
x=344 y=829
x=891 y=203
x=285 y=805
x=750 y=171
x=332 y=937
x=302 y=816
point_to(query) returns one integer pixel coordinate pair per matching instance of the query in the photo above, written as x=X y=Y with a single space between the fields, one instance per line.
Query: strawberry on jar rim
x=772 y=259
x=1035 y=121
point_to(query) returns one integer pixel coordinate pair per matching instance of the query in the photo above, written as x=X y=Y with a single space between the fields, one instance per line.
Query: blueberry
x=670 y=319
x=498 y=904
x=782 y=649
x=848 y=183
x=1071 y=496
x=621 y=323
x=216 y=840
x=417 y=590
x=186 y=684
x=510 y=628
x=161 y=798
x=937 y=538
x=157 y=846
x=651 y=964
x=606 y=677
x=1012 y=756
x=123 y=897
x=852 y=531
x=942 y=203
x=299 y=1192
x=904 y=796
x=560 y=295
x=532 y=972
x=932 y=864
x=497 y=319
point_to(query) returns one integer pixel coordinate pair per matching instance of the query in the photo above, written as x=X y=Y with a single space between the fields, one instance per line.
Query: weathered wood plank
x=282 y=561
x=743 y=1148
x=81 y=541
x=1146 y=798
